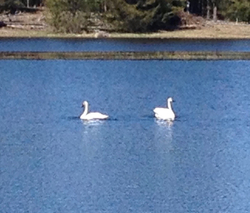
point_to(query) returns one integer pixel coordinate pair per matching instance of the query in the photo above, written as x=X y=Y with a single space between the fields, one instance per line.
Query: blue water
x=51 y=161
x=122 y=45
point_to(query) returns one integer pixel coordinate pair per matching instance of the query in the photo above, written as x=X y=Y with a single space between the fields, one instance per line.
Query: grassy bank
x=217 y=31
x=172 y=55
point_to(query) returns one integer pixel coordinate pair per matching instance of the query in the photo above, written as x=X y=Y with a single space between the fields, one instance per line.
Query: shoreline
x=120 y=36
x=211 y=31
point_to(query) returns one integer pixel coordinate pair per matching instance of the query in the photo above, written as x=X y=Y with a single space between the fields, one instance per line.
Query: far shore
x=211 y=30
x=34 y=25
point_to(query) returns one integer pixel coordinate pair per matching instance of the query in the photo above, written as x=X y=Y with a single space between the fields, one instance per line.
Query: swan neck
x=86 y=109
x=169 y=105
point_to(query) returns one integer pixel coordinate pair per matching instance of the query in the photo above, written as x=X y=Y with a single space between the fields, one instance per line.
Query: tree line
x=122 y=15
x=17 y=4
x=74 y=16
x=233 y=10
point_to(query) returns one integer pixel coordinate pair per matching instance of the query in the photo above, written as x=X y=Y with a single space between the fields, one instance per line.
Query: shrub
x=67 y=16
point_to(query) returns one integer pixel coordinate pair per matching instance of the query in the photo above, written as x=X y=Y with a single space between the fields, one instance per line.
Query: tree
x=238 y=10
x=146 y=15
x=69 y=16
x=12 y=5
x=74 y=16
x=214 y=6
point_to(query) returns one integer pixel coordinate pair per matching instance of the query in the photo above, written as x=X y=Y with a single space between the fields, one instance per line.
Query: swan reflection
x=165 y=123
x=92 y=138
x=164 y=135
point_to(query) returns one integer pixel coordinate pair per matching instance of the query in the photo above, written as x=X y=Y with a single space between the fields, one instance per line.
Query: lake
x=51 y=161
x=41 y=44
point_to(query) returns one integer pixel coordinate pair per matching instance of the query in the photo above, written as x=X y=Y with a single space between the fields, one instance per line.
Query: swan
x=92 y=115
x=165 y=113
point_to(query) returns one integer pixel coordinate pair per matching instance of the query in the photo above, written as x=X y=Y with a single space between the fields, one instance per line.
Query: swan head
x=84 y=103
x=170 y=99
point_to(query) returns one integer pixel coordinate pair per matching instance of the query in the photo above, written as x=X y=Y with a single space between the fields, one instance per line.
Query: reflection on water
x=51 y=161
x=90 y=123
x=165 y=123
x=163 y=135
x=165 y=128
x=91 y=135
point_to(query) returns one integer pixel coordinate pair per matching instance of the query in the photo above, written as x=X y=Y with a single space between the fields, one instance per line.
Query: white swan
x=92 y=115
x=165 y=113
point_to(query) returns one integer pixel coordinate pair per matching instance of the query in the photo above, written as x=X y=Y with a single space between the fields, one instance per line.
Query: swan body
x=165 y=113
x=91 y=115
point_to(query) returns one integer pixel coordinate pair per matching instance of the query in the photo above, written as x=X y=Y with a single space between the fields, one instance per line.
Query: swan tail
x=103 y=116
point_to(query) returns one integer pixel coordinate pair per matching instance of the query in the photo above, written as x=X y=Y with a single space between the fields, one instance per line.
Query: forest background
x=139 y=16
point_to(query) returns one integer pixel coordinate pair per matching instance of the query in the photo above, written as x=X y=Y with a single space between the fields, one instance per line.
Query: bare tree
x=208 y=9
x=214 y=10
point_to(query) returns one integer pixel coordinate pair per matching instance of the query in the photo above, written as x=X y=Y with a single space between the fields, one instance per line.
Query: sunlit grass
x=210 y=31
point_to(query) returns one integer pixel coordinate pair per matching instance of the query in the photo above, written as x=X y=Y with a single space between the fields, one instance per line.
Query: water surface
x=50 y=161
x=36 y=44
